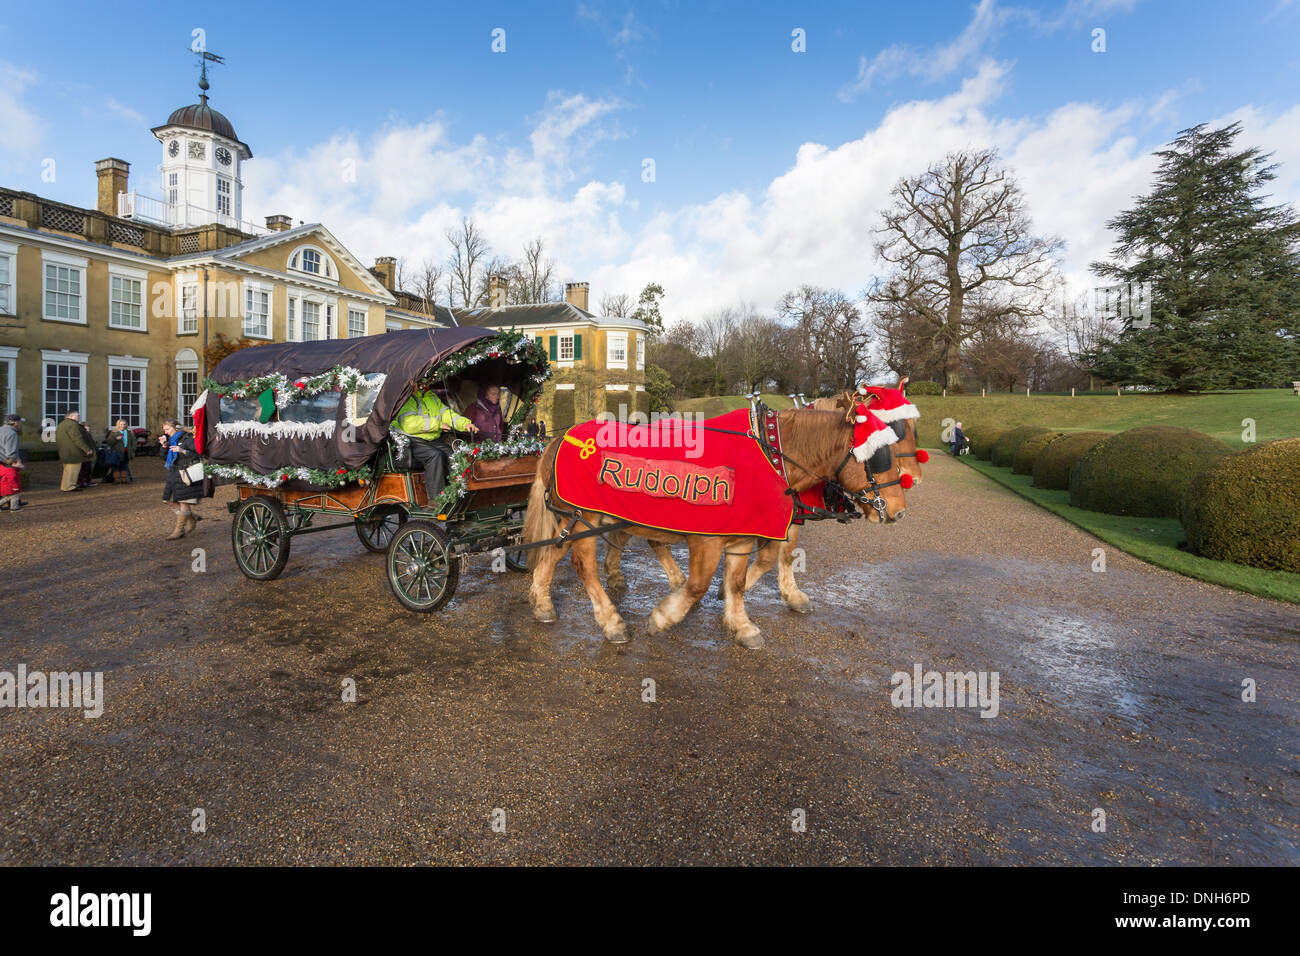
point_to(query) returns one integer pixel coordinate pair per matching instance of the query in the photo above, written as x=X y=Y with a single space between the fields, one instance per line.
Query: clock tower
x=201 y=157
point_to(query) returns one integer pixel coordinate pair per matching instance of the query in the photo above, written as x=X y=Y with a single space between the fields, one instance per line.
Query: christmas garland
x=276 y=429
x=464 y=456
x=341 y=378
x=314 y=476
x=513 y=346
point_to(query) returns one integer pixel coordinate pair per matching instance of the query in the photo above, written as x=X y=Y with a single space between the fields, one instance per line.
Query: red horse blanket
x=677 y=476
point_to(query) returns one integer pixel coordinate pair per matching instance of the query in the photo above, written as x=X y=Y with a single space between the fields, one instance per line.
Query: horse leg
x=767 y=552
x=704 y=561
x=734 y=616
x=607 y=616
x=665 y=555
x=615 y=542
x=794 y=599
x=545 y=561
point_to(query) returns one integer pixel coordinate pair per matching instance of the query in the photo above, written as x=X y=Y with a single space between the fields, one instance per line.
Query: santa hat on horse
x=889 y=404
x=870 y=434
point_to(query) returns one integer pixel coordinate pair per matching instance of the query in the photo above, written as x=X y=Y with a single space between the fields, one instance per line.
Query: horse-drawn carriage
x=303 y=429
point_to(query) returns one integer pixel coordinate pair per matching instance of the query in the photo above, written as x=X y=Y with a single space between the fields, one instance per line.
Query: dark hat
x=14 y=417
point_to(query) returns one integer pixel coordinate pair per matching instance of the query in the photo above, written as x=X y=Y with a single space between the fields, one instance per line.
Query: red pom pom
x=922 y=455
x=341 y=471
x=905 y=481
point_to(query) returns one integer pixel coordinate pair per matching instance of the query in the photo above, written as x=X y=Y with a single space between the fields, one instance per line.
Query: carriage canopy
x=316 y=412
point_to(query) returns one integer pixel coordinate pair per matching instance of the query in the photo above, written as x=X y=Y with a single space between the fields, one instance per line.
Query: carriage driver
x=424 y=418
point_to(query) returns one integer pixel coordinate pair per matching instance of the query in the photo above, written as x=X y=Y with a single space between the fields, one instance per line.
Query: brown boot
x=179 y=530
x=191 y=521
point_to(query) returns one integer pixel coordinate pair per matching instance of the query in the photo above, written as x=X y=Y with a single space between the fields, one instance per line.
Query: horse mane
x=815 y=438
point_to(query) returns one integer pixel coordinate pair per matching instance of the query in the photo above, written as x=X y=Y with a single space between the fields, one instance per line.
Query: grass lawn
x=1276 y=412
x=1154 y=540
x=721 y=404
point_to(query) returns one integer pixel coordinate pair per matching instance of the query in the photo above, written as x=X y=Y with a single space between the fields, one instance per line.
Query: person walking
x=9 y=434
x=179 y=445
x=423 y=417
x=958 y=440
x=486 y=413
x=86 y=476
x=9 y=485
x=74 y=448
x=121 y=448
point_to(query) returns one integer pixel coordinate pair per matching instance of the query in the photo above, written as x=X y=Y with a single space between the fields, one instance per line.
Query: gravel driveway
x=1118 y=691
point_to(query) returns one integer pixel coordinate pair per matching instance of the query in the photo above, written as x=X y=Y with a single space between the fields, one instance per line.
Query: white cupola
x=201 y=157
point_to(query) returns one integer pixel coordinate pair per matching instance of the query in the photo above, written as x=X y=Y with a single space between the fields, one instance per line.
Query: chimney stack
x=386 y=269
x=113 y=175
x=575 y=293
x=279 y=223
x=496 y=292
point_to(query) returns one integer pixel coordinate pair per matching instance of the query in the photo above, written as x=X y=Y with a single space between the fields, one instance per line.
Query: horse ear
x=902 y=382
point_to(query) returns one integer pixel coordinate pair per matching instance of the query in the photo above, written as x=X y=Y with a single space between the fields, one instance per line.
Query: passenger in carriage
x=424 y=418
x=486 y=413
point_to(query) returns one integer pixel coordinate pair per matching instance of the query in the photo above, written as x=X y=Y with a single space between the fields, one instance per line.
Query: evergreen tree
x=1223 y=268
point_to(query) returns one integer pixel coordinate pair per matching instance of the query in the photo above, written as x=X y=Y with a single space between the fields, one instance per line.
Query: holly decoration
x=341 y=378
x=465 y=455
x=514 y=347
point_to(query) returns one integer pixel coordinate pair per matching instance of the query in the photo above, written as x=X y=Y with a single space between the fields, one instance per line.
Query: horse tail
x=539 y=522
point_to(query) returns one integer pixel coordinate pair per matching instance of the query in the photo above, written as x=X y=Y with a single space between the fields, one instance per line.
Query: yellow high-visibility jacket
x=425 y=416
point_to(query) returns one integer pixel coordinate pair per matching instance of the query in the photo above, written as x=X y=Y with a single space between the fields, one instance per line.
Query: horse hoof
x=547 y=616
x=799 y=605
x=616 y=583
x=653 y=626
x=618 y=637
x=753 y=641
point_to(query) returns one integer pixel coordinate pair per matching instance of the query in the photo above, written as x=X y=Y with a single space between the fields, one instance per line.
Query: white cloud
x=22 y=128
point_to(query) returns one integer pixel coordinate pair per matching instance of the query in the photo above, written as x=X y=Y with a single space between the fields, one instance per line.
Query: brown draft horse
x=780 y=554
x=816 y=440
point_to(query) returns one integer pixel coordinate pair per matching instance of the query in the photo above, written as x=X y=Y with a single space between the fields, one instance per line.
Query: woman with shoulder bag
x=182 y=488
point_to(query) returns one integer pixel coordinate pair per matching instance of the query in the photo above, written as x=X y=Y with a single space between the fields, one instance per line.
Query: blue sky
x=770 y=164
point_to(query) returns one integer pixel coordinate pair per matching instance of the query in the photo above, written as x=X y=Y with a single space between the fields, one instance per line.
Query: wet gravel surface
x=1119 y=691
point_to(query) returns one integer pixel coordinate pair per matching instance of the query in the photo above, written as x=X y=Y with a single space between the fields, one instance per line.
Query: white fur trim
x=860 y=419
x=875 y=441
x=862 y=390
x=901 y=413
x=199 y=402
x=277 y=429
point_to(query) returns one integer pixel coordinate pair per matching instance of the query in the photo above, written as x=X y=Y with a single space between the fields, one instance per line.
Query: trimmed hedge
x=1004 y=449
x=924 y=388
x=1022 y=462
x=1052 y=466
x=1143 y=471
x=1245 y=508
x=982 y=438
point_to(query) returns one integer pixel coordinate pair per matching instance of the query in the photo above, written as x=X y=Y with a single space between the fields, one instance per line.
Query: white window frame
x=560 y=341
x=133 y=363
x=640 y=353
x=392 y=325
x=329 y=270
x=63 y=357
x=183 y=283
x=227 y=195
x=9 y=358
x=73 y=263
x=186 y=364
x=615 y=342
x=292 y=329
x=251 y=288
x=9 y=252
x=355 y=308
x=124 y=274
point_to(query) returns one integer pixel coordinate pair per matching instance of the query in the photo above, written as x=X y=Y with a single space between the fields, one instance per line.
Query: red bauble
x=922 y=455
x=905 y=481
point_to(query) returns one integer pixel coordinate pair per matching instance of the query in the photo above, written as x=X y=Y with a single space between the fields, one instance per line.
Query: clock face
x=174 y=147
x=197 y=150
x=223 y=156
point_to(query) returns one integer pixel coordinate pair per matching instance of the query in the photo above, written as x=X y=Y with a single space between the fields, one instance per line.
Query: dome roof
x=201 y=116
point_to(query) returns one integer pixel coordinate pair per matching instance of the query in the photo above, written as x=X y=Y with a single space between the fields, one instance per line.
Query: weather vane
x=204 y=59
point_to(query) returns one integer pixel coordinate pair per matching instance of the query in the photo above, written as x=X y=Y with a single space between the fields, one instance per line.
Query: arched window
x=313 y=261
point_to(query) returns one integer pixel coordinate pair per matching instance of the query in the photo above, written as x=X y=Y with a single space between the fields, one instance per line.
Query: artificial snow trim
x=280 y=429
x=313 y=476
x=901 y=413
x=875 y=441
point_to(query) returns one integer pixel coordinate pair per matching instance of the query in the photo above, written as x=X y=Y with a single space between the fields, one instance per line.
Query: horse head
x=819 y=444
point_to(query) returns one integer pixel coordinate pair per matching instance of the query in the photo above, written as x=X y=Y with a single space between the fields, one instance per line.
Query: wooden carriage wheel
x=421 y=570
x=260 y=538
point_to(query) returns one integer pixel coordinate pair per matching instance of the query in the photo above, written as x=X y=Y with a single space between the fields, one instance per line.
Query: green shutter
x=555 y=349
x=577 y=346
x=537 y=340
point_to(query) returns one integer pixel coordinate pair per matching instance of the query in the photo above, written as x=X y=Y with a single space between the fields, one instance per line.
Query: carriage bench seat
x=502 y=473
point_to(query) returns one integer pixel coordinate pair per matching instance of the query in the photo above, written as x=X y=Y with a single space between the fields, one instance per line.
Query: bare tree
x=713 y=338
x=619 y=306
x=536 y=274
x=468 y=249
x=426 y=281
x=960 y=232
